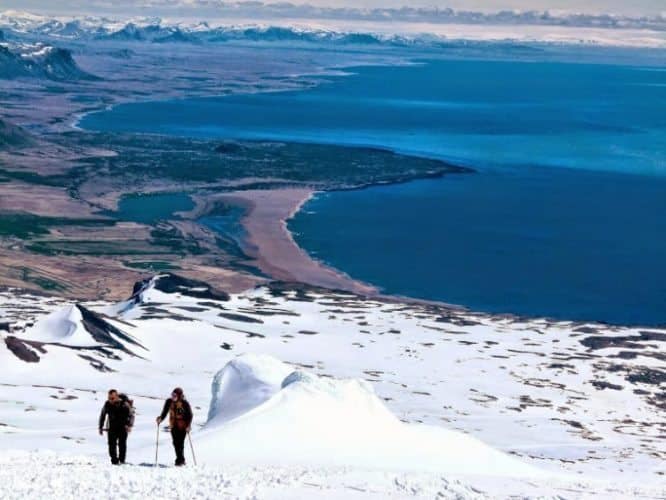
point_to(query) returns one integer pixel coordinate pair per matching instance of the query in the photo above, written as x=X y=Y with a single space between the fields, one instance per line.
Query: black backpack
x=129 y=403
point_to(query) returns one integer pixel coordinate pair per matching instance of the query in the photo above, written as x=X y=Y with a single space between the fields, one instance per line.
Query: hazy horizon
x=204 y=8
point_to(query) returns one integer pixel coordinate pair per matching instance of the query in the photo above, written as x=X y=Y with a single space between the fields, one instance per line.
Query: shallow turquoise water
x=565 y=217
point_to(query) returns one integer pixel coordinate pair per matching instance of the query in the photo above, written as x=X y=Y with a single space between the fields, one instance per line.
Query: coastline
x=270 y=243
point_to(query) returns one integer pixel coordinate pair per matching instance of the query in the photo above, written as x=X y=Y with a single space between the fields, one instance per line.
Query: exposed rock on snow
x=173 y=283
x=22 y=349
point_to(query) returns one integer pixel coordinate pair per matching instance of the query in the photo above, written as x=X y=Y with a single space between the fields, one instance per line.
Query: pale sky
x=206 y=7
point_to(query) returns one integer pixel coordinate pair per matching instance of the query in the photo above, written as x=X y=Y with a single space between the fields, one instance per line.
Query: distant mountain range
x=229 y=11
x=155 y=29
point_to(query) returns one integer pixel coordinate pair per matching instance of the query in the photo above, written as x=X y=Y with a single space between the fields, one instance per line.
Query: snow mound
x=243 y=384
x=63 y=326
x=260 y=415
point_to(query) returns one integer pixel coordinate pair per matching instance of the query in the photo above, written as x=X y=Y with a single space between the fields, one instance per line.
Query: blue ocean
x=565 y=216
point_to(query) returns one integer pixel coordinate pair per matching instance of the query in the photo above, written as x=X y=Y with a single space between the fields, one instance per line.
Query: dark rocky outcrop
x=627 y=341
x=240 y=317
x=104 y=332
x=173 y=283
x=21 y=350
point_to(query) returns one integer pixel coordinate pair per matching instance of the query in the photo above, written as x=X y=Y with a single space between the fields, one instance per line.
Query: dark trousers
x=178 y=436
x=117 y=445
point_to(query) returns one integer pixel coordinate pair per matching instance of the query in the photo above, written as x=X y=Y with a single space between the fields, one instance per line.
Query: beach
x=270 y=244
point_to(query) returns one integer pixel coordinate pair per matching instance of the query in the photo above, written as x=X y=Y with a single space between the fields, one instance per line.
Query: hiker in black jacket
x=120 y=415
x=180 y=421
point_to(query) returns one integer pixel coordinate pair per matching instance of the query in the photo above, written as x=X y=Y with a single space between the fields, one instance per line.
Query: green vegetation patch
x=168 y=236
x=21 y=225
x=48 y=284
x=153 y=265
x=98 y=248
x=321 y=165
x=64 y=180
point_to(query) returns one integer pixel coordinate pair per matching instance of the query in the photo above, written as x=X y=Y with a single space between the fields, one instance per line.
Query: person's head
x=177 y=394
x=113 y=396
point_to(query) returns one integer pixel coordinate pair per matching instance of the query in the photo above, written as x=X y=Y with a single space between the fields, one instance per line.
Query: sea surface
x=565 y=216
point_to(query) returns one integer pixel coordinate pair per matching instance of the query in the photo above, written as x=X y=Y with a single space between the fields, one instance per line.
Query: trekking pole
x=194 y=457
x=157 y=443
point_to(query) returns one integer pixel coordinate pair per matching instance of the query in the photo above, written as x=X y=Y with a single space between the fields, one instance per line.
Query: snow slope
x=43 y=475
x=575 y=400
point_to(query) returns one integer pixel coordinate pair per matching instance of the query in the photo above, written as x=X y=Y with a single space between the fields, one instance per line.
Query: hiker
x=120 y=412
x=180 y=421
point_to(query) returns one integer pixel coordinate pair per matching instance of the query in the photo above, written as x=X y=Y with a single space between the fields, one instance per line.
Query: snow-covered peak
x=35 y=52
x=64 y=326
x=21 y=21
x=78 y=327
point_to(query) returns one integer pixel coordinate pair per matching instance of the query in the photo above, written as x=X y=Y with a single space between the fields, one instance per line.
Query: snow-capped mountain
x=22 y=60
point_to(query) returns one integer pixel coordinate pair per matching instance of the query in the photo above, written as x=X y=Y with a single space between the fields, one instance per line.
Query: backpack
x=177 y=415
x=129 y=403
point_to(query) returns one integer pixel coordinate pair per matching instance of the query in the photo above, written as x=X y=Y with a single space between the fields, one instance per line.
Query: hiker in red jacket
x=180 y=421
